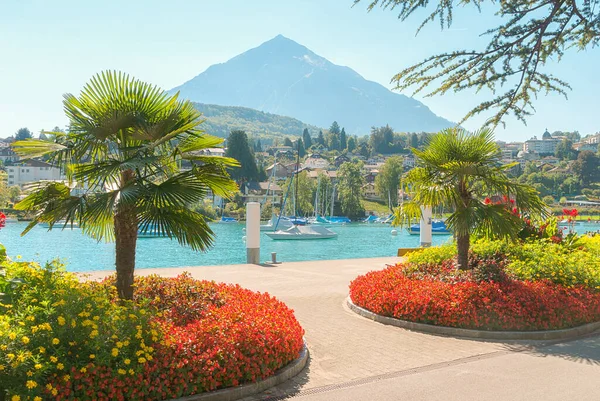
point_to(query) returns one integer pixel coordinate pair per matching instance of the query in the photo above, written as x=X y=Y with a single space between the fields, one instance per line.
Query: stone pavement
x=349 y=353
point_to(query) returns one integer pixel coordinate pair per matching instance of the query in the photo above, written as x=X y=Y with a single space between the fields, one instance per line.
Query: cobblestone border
x=246 y=390
x=562 y=334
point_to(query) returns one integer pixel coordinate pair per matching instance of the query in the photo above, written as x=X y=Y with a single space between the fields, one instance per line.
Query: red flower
x=487 y=201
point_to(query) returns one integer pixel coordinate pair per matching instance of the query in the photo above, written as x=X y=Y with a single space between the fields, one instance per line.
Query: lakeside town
x=382 y=208
x=558 y=165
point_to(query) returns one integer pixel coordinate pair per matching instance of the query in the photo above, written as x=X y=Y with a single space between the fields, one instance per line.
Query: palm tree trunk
x=463 y=243
x=126 y=238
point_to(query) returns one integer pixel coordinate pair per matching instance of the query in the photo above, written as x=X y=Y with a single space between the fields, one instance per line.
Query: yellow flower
x=37 y=366
x=54 y=392
x=127 y=361
x=122 y=371
x=131 y=372
x=1 y=367
x=142 y=360
x=29 y=373
x=25 y=340
x=36 y=398
x=53 y=359
x=60 y=366
x=92 y=356
x=31 y=384
x=49 y=386
x=10 y=356
x=55 y=341
x=115 y=352
x=42 y=350
x=61 y=321
x=12 y=336
x=66 y=378
x=15 y=398
x=83 y=370
x=119 y=344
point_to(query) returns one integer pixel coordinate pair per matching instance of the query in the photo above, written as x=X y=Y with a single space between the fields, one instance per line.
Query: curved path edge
x=235 y=393
x=561 y=334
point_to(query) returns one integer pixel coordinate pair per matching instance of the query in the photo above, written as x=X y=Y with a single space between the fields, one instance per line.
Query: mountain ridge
x=283 y=77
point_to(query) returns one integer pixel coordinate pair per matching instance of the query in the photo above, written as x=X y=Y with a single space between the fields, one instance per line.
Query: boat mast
x=332 y=199
x=317 y=196
x=296 y=187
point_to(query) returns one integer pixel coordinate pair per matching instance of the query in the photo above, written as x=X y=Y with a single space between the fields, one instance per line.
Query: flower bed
x=526 y=286
x=62 y=339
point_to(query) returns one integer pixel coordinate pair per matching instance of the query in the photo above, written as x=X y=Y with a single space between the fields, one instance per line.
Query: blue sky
x=51 y=48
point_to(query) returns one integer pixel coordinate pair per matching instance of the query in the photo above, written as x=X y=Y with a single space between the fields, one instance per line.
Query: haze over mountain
x=283 y=77
x=221 y=120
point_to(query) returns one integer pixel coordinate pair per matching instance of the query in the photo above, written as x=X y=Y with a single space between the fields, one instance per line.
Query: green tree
x=564 y=150
x=306 y=139
x=287 y=142
x=343 y=140
x=239 y=149
x=351 y=144
x=333 y=141
x=258 y=146
x=22 y=134
x=300 y=148
x=128 y=137
x=14 y=193
x=414 y=141
x=381 y=139
x=529 y=33
x=457 y=171
x=587 y=167
x=335 y=128
x=350 y=182
x=305 y=192
x=321 y=139
x=387 y=181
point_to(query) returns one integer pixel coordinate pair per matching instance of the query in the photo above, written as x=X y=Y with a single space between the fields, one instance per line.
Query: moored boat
x=438 y=227
x=303 y=233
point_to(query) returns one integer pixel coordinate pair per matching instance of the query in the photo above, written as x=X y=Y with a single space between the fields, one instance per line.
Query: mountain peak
x=284 y=77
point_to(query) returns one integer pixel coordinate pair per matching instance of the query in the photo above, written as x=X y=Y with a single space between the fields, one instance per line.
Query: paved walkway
x=352 y=358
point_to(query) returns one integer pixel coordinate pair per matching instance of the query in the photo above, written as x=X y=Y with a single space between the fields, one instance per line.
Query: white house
x=546 y=145
x=315 y=163
x=32 y=171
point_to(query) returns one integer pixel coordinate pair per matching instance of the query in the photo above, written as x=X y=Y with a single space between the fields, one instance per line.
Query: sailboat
x=299 y=232
x=224 y=219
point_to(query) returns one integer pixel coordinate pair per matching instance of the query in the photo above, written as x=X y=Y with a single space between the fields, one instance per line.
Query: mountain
x=283 y=77
x=220 y=120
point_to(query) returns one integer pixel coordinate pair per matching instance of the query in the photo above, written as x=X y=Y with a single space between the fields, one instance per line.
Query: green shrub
x=432 y=255
x=558 y=263
x=52 y=326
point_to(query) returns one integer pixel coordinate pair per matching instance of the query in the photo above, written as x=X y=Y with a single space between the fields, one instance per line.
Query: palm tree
x=122 y=156
x=462 y=172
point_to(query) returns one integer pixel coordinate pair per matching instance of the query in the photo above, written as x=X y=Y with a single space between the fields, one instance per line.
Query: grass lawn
x=378 y=207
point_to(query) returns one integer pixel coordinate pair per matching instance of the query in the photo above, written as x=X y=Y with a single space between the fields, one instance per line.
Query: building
x=260 y=191
x=339 y=160
x=273 y=150
x=546 y=145
x=314 y=174
x=7 y=155
x=212 y=152
x=581 y=146
x=32 y=171
x=409 y=162
x=592 y=139
x=281 y=171
x=313 y=162
x=368 y=192
x=370 y=176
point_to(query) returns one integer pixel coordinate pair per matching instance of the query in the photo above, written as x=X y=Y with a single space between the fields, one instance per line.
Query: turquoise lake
x=81 y=253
